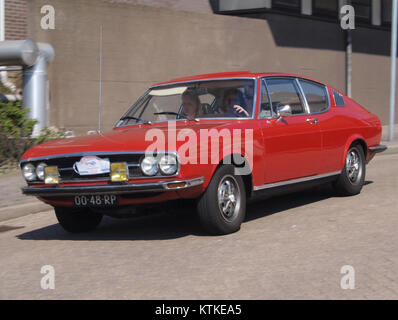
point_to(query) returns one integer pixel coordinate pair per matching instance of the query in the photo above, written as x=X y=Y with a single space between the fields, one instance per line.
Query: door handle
x=312 y=120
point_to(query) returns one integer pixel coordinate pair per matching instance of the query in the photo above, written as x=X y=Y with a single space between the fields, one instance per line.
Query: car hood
x=129 y=138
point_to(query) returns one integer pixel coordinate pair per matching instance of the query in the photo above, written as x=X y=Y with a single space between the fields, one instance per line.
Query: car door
x=292 y=144
x=333 y=137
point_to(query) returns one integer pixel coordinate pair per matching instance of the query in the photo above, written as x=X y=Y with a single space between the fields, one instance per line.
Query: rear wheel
x=77 y=220
x=352 y=177
x=222 y=207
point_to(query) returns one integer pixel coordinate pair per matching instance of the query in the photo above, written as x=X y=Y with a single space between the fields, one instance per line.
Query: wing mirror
x=283 y=111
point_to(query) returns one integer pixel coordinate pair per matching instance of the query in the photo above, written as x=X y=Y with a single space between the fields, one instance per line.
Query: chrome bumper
x=160 y=186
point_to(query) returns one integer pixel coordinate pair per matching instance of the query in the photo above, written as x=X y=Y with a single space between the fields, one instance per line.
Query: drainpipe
x=36 y=88
x=34 y=58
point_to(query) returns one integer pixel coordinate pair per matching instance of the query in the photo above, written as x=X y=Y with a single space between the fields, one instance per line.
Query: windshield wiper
x=135 y=118
x=177 y=114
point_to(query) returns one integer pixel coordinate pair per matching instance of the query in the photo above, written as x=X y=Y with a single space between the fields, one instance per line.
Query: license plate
x=101 y=200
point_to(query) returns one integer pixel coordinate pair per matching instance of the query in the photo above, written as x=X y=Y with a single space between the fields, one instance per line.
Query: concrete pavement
x=290 y=247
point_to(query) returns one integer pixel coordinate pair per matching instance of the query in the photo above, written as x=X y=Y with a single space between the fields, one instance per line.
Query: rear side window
x=316 y=96
x=338 y=99
x=285 y=92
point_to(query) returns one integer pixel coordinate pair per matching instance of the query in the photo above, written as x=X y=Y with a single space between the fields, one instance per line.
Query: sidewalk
x=14 y=204
x=391 y=145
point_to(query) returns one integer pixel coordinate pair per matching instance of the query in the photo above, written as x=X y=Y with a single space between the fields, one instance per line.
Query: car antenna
x=100 y=81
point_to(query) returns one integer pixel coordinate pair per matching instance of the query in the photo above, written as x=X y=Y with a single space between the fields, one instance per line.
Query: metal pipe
x=36 y=88
x=11 y=69
x=100 y=82
x=348 y=61
x=19 y=52
x=393 y=69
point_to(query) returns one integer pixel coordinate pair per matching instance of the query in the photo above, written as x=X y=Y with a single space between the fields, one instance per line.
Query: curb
x=391 y=148
x=12 y=212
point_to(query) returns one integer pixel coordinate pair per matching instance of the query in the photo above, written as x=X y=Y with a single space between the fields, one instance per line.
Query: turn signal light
x=119 y=172
x=176 y=185
x=51 y=175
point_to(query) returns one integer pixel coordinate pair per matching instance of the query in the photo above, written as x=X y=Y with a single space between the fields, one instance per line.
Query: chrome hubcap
x=228 y=197
x=353 y=166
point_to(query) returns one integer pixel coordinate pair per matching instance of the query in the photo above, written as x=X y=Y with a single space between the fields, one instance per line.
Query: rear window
x=338 y=99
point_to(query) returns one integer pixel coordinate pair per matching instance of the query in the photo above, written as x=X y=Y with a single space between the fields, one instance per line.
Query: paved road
x=290 y=247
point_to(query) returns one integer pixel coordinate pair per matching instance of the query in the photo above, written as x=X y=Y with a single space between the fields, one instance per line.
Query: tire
x=76 y=220
x=226 y=215
x=351 y=179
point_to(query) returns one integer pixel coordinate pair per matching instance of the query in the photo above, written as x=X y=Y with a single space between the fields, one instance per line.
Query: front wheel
x=352 y=177
x=222 y=207
x=77 y=220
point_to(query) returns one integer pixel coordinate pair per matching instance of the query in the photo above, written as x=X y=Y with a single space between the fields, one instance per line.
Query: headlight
x=168 y=164
x=40 y=170
x=28 y=172
x=149 y=166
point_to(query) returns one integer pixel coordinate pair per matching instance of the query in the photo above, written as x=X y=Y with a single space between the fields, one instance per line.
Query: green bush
x=15 y=128
x=15 y=131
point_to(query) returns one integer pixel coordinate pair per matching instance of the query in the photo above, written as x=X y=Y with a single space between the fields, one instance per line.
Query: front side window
x=265 y=107
x=316 y=96
x=232 y=98
x=285 y=92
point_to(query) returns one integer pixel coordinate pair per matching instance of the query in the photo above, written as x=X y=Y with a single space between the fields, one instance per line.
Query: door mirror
x=284 y=111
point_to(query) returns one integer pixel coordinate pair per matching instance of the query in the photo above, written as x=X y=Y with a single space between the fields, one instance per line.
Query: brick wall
x=16 y=12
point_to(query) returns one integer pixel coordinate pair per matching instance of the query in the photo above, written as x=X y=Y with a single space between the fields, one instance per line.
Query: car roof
x=234 y=74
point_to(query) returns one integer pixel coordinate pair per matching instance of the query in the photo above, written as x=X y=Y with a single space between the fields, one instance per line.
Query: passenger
x=232 y=105
x=248 y=95
x=190 y=104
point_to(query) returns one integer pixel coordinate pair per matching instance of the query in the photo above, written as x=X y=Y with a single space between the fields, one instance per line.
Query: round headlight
x=28 y=172
x=168 y=164
x=40 y=170
x=149 y=166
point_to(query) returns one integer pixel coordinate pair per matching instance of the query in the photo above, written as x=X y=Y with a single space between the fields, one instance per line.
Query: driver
x=190 y=104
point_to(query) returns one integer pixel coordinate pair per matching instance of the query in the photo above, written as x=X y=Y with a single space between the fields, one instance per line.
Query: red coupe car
x=217 y=139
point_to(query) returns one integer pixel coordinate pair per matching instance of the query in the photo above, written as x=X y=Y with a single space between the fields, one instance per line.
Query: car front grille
x=68 y=174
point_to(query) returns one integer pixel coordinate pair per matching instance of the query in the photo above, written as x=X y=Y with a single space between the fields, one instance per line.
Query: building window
x=386 y=9
x=234 y=5
x=292 y=5
x=363 y=9
x=328 y=8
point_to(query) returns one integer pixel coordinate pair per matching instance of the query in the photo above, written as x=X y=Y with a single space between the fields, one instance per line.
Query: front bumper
x=159 y=186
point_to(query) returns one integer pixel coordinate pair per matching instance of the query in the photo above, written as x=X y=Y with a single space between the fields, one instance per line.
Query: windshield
x=193 y=100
